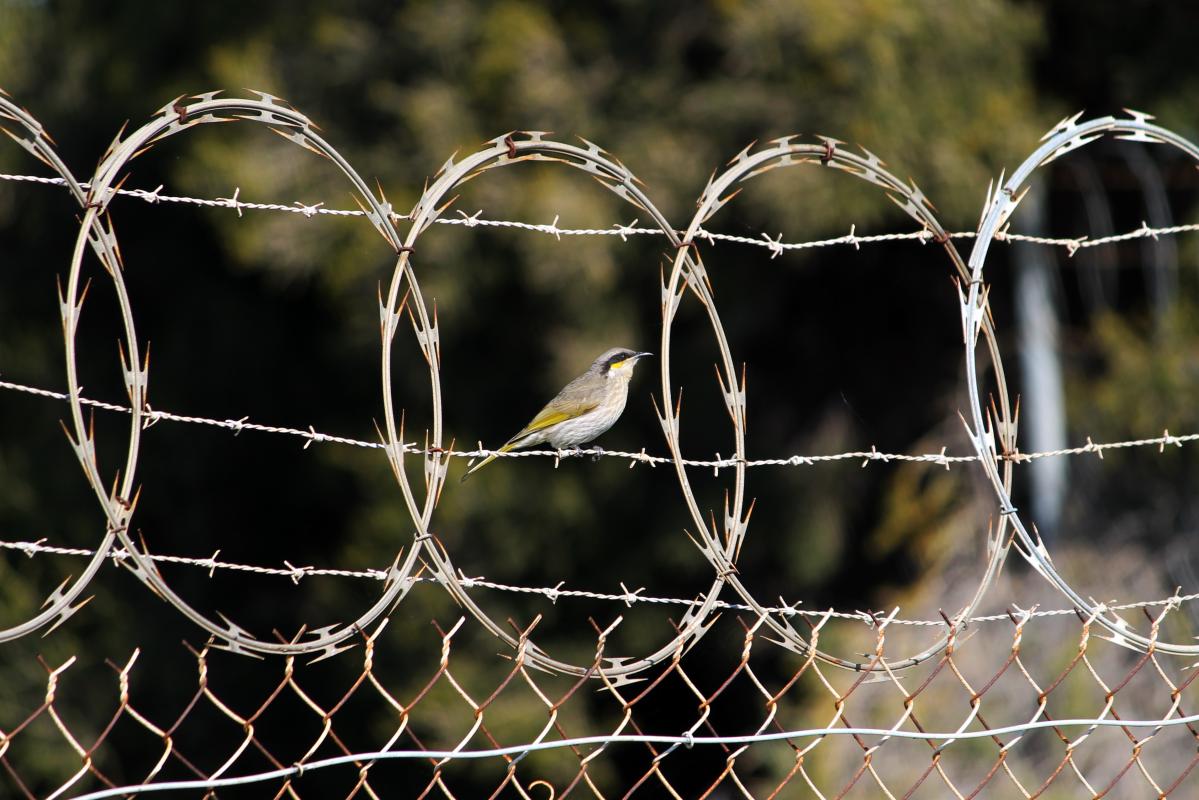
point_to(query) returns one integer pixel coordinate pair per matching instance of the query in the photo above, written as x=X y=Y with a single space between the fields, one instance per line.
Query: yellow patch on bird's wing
x=549 y=417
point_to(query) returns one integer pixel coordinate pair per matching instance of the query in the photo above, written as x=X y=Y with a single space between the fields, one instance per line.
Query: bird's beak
x=640 y=356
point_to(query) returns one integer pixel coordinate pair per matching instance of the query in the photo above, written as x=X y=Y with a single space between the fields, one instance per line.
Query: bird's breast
x=586 y=427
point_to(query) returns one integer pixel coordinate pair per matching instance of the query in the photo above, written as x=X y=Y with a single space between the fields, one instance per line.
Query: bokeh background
x=274 y=316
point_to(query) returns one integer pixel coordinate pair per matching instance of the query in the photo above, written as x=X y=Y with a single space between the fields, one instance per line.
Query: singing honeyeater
x=584 y=409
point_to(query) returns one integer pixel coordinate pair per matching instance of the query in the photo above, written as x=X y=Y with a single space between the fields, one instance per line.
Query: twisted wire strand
x=776 y=245
x=311 y=435
x=554 y=593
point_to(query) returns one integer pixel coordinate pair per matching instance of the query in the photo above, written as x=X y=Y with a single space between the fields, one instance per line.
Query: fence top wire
x=774 y=244
x=689 y=741
x=628 y=597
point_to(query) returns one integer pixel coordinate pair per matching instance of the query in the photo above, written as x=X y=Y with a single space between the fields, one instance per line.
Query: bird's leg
x=598 y=454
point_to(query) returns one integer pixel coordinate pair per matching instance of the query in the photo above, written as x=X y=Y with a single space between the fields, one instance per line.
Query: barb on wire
x=776 y=245
x=310 y=435
x=554 y=593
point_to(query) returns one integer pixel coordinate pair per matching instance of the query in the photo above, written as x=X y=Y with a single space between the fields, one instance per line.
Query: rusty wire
x=961 y=723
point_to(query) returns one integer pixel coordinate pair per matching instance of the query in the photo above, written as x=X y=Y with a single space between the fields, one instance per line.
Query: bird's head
x=618 y=362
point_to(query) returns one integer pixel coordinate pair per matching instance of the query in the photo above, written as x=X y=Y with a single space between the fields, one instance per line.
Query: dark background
x=273 y=316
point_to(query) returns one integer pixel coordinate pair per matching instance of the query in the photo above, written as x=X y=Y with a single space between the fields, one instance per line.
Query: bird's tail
x=486 y=461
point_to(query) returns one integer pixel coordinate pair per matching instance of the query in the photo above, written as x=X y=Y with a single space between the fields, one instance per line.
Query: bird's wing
x=557 y=411
x=563 y=407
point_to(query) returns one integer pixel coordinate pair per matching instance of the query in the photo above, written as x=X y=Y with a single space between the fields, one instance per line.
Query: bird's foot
x=578 y=451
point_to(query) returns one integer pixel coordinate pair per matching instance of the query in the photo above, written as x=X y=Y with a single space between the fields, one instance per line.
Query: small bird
x=583 y=410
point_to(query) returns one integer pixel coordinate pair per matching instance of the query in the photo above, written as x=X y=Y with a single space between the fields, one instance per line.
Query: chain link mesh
x=1035 y=707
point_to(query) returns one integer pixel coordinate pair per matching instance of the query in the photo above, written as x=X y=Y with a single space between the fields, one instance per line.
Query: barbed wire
x=991 y=428
x=554 y=593
x=1003 y=198
x=619 y=680
x=311 y=435
x=777 y=247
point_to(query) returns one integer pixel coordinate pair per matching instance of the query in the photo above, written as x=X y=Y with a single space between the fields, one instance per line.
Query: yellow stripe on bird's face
x=624 y=367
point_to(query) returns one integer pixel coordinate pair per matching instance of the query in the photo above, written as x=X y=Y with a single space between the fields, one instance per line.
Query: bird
x=585 y=408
